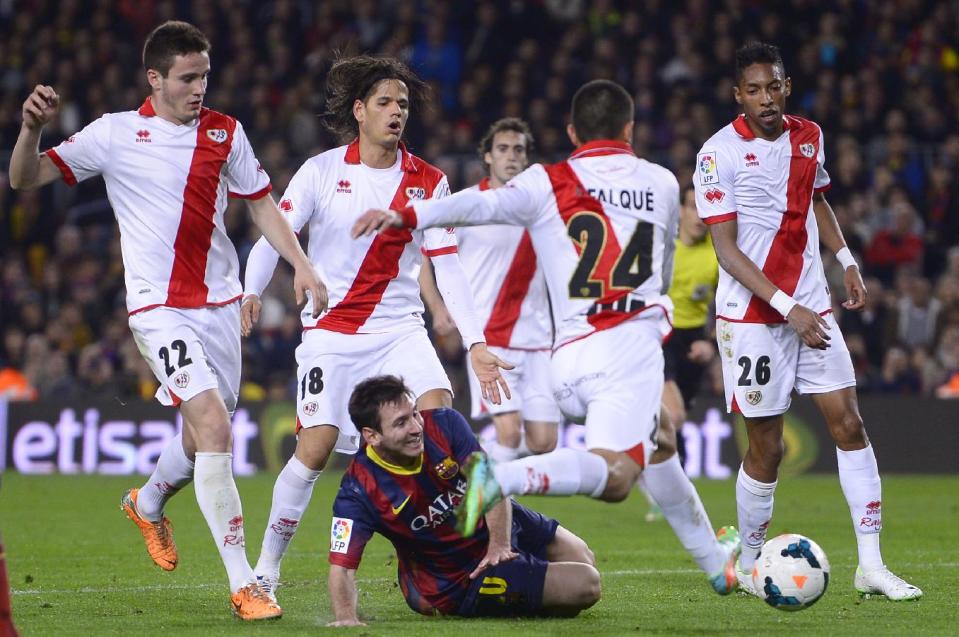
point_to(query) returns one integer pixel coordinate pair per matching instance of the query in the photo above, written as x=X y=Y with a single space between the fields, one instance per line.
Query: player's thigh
x=411 y=356
x=329 y=365
x=569 y=547
x=513 y=588
x=222 y=343
x=823 y=371
x=170 y=341
x=515 y=378
x=759 y=364
x=570 y=587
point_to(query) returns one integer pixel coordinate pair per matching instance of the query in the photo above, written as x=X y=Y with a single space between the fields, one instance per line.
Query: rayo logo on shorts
x=414 y=193
x=310 y=408
x=754 y=397
x=340 y=535
x=808 y=150
x=182 y=379
x=217 y=135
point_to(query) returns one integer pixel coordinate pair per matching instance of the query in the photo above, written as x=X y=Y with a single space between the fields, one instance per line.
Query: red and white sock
x=291 y=497
x=754 y=506
x=174 y=471
x=220 y=504
x=859 y=478
x=561 y=472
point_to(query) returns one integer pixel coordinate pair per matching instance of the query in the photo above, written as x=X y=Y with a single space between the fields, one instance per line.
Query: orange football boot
x=251 y=603
x=157 y=535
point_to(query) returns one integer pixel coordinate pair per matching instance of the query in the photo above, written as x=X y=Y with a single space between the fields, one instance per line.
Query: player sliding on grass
x=757 y=181
x=169 y=168
x=404 y=483
x=602 y=224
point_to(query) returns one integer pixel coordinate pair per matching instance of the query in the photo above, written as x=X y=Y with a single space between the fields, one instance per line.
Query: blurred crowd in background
x=881 y=78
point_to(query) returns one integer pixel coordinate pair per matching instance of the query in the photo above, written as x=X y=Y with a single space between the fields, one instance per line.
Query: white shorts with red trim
x=613 y=379
x=763 y=363
x=529 y=384
x=330 y=364
x=191 y=351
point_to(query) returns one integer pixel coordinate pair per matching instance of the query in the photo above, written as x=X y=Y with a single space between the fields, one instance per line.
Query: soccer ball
x=791 y=572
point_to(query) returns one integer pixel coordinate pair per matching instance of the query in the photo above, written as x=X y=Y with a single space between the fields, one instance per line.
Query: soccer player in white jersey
x=510 y=293
x=759 y=185
x=169 y=167
x=602 y=224
x=374 y=324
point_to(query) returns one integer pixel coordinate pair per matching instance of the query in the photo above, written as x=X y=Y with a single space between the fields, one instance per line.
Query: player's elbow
x=19 y=183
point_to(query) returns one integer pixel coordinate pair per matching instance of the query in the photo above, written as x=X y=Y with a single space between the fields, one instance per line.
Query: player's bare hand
x=855 y=290
x=40 y=107
x=305 y=279
x=701 y=352
x=494 y=555
x=345 y=622
x=249 y=313
x=486 y=364
x=373 y=221
x=810 y=326
x=443 y=323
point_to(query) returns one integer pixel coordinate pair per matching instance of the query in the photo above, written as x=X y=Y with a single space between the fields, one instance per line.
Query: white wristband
x=783 y=303
x=845 y=258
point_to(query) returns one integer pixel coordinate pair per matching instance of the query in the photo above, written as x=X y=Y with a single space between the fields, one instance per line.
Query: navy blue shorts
x=515 y=587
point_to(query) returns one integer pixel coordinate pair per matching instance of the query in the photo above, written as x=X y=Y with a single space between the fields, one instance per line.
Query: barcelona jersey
x=413 y=508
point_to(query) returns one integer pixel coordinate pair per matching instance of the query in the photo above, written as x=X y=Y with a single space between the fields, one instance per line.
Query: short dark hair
x=370 y=395
x=513 y=124
x=601 y=109
x=757 y=53
x=170 y=39
x=355 y=78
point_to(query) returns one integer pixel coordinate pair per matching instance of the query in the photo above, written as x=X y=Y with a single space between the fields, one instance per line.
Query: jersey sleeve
x=299 y=201
x=84 y=154
x=672 y=231
x=462 y=439
x=244 y=175
x=823 y=182
x=713 y=181
x=351 y=527
x=518 y=203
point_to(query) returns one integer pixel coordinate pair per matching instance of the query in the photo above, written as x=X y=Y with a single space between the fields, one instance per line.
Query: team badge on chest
x=447 y=468
x=808 y=150
x=218 y=135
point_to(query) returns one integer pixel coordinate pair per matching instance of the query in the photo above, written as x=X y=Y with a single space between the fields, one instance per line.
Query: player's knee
x=591 y=588
x=541 y=441
x=313 y=447
x=768 y=454
x=849 y=431
x=617 y=488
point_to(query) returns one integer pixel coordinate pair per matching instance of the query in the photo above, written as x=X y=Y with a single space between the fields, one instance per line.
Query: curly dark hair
x=757 y=53
x=371 y=394
x=355 y=78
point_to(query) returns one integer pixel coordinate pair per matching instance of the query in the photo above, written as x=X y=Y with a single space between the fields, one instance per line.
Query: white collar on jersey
x=599 y=147
x=410 y=164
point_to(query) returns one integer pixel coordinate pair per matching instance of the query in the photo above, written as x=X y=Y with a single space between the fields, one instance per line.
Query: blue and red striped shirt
x=413 y=509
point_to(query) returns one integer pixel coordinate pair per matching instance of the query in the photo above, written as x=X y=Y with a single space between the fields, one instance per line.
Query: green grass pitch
x=78 y=567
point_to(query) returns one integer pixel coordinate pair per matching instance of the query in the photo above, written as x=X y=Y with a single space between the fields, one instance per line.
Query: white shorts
x=529 y=385
x=762 y=364
x=614 y=380
x=330 y=364
x=191 y=351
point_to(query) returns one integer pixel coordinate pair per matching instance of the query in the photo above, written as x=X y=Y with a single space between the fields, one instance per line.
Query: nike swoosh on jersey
x=396 y=510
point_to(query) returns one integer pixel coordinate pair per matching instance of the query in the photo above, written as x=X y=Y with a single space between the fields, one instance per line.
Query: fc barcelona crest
x=447 y=469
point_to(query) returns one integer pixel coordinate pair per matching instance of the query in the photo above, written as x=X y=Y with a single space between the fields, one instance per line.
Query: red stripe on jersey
x=194 y=236
x=729 y=216
x=784 y=263
x=68 y=175
x=509 y=301
x=438 y=252
x=382 y=261
x=259 y=194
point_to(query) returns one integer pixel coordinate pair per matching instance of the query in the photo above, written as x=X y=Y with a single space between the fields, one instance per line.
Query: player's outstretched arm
x=278 y=232
x=808 y=324
x=342 y=587
x=443 y=323
x=28 y=168
x=499 y=521
x=831 y=236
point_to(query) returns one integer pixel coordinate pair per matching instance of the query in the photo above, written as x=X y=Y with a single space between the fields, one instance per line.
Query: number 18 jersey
x=602 y=224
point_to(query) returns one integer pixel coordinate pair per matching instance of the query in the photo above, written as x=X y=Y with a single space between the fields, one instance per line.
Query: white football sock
x=671 y=489
x=561 y=472
x=173 y=472
x=859 y=477
x=754 y=506
x=500 y=452
x=291 y=497
x=220 y=504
